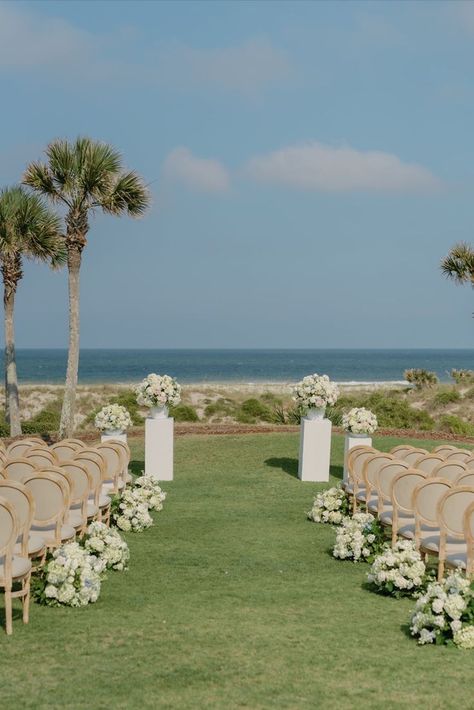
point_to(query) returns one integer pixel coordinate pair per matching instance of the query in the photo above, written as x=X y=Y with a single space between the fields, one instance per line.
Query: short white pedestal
x=159 y=448
x=118 y=437
x=315 y=450
x=349 y=444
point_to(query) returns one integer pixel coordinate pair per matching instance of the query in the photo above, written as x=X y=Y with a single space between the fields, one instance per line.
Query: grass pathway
x=232 y=601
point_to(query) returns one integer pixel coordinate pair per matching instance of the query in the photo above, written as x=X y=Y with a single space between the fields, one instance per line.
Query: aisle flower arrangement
x=399 y=571
x=113 y=417
x=359 y=420
x=71 y=577
x=151 y=491
x=130 y=511
x=158 y=391
x=330 y=506
x=107 y=545
x=444 y=614
x=315 y=391
x=359 y=538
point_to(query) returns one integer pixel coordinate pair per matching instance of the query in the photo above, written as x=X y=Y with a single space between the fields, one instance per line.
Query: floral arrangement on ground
x=359 y=538
x=398 y=571
x=330 y=506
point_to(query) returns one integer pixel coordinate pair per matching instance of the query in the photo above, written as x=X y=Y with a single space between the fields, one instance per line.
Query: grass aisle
x=232 y=600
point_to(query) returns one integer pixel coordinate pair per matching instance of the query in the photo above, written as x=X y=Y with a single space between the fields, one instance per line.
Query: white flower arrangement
x=113 y=417
x=158 y=391
x=131 y=512
x=71 y=578
x=359 y=420
x=358 y=538
x=330 y=506
x=151 y=491
x=444 y=613
x=107 y=544
x=398 y=571
x=315 y=392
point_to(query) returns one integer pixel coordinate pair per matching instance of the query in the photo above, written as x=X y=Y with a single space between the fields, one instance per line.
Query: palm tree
x=459 y=264
x=84 y=176
x=27 y=228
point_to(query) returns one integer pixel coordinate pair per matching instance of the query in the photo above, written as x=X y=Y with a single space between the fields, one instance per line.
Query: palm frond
x=129 y=194
x=39 y=177
x=458 y=265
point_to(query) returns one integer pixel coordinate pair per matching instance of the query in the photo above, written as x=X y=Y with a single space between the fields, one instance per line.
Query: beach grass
x=232 y=600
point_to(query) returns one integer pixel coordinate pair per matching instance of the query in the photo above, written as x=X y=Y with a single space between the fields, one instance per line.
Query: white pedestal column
x=315 y=450
x=110 y=437
x=351 y=441
x=159 y=448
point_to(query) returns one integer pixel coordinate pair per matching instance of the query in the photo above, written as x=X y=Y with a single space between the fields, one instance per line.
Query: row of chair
x=48 y=496
x=426 y=498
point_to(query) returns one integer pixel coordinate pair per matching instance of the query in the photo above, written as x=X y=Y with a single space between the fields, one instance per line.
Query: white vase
x=316 y=413
x=113 y=432
x=158 y=412
x=353 y=435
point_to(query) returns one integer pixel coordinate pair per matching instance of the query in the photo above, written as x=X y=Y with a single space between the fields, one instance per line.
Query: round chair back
x=93 y=466
x=51 y=498
x=401 y=450
x=403 y=488
x=387 y=474
x=64 y=450
x=81 y=481
x=8 y=528
x=428 y=463
x=113 y=460
x=42 y=457
x=22 y=501
x=450 y=470
x=459 y=455
x=466 y=479
x=17 y=469
x=372 y=467
x=426 y=498
x=413 y=455
x=451 y=509
x=18 y=449
x=444 y=449
x=356 y=462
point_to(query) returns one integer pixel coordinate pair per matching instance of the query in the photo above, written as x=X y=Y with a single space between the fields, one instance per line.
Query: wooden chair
x=468 y=526
x=459 y=455
x=80 y=444
x=18 y=469
x=403 y=516
x=370 y=473
x=384 y=481
x=428 y=463
x=412 y=456
x=450 y=470
x=95 y=465
x=401 y=450
x=426 y=498
x=80 y=508
x=3 y=458
x=18 y=449
x=114 y=462
x=13 y=569
x=452 y=543
x=444 y=449
x=51 y=496
x=466 y=479
x=126 y=476
x=470 y=462
x=21 y=499
x=65 y=450
x=42 y=457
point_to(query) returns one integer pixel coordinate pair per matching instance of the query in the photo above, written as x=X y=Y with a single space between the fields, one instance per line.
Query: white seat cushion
x=108 y=487
x=350 y=487
x=35 y=546
x=20 y=567
x=457 y=559
x=104 y=501
x=66 y=532
x=407 y=531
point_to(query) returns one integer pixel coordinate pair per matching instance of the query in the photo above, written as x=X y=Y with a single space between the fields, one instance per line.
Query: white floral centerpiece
x=330 y=506
x=444 y=614
x=107 y=544
x=130 y=512
x=359 y=420
x=358 y=538
x=315 y=393
x=72 y=577
x=151 y=492
x=399 y=571
x=158 y=392
x=113 y=419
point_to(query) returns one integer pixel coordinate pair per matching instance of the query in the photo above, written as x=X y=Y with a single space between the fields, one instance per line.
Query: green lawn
x=232 y=600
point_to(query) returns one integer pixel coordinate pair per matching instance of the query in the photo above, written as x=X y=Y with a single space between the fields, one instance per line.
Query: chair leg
x=440 y=570
x=26 y=599
x=8 y=611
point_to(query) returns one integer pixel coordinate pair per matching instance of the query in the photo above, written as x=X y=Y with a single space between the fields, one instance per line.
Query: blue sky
x=310 y=164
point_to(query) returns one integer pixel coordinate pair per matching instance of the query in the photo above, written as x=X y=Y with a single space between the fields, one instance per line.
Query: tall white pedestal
x=110 y=437
x=315 y=450
x=351 y=441
x=159 y=448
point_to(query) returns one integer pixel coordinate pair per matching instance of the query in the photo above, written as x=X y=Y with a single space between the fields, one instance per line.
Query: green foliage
x=252 y=410
x=446 y=397
x=128 y=400
x=270 y=398
x=391 y=410
x=463 y=377
x=456 y=425
x=46 y=421
x=4 y=428
x=420 y=377
x=469 y=394
x=184 y=413
x=222 y=407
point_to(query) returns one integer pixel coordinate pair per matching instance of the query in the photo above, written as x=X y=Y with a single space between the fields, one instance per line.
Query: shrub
x=470 y=393
x=253 y=410
x=420 y=377
x=128 y=400
x=463 y=377
x=391 y=410
x=446 y=397
x=270 y=398
x=184 y=413
x=455 y=425
x=222 y=407
x=46 y=421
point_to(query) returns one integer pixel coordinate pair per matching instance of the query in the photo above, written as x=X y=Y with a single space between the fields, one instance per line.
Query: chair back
x=17 y=469
x=426 y=498
x=59 y=473
x=459 y=455
x=451 y=510
x=8 y=532
x=125 y=452
x=428 y=463
x=42 y=457
x=372 y=467
x=22 y=501
x=51 y=498
x=468 y=525
x=80 y=444
x=403 y=487
x=466 y=479
x=3 y=458
x=18 y=449
x=387 y=475
x=470 y=462
x=95 y=468
x=412 y=456
x=64 y=450
x=450 y=470
x=401 y=450
x=114 y=462
x=356 y=461
x=444 y=449
x=81 y=481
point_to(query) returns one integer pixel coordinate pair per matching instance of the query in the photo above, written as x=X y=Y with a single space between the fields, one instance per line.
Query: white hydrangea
x=315 y=391
x=132 y=512
x=151 y=491
x=158 y=391
x=107 y=544
x=464 y=638
x=329 y=506
x=352 y=537
x=398 y=570
x=113 y=417
x=72 y=576
x=359 y=420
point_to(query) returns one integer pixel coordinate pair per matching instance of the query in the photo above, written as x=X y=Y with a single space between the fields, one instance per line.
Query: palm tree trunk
x=66 y=427
x=12 y=403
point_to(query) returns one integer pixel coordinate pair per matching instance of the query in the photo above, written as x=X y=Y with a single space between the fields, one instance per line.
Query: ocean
x=247 y=366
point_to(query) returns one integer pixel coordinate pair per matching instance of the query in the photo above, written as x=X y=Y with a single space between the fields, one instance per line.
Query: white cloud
x=202 y=174
x=315 y=166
